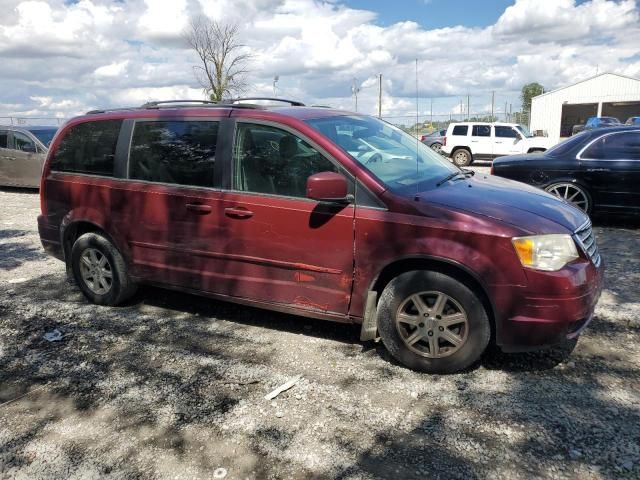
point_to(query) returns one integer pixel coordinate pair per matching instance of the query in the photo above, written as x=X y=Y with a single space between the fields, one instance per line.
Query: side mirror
x=28 y=147
x=328 y=187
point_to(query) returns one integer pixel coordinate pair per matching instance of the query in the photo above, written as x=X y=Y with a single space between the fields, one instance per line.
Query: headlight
x=545 y=252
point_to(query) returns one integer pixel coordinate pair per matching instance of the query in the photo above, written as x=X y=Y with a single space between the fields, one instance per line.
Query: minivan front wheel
x=100 y=270
x=433 y=323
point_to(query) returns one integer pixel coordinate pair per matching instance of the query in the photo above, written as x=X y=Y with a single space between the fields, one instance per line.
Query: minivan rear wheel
x=433 y=323
x=100 y=270
x=462 y=157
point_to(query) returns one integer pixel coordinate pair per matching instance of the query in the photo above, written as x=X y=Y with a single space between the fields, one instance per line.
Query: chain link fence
x=425 y=124
x=32 y=121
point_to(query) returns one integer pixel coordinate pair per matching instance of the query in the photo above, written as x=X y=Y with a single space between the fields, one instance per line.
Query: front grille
x=587 y=240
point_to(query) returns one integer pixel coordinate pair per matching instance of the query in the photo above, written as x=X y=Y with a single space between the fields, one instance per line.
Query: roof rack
x=235 y=101
x=159 y=103
x=231 y=103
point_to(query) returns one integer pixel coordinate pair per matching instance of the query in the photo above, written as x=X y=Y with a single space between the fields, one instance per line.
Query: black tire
x=436 y=147
x=121 y=285
x=461 y=157
x=477 y=329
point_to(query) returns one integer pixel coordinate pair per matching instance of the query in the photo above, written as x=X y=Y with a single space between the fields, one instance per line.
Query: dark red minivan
x=322 y=213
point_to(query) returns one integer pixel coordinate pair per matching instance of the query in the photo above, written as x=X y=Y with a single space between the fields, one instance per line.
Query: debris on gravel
x=172 y=386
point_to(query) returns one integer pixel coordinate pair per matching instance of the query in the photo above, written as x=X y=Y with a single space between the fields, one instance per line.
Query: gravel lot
x=172 y=386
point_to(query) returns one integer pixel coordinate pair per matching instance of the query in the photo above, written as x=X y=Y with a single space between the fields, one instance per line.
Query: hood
x=525 y=207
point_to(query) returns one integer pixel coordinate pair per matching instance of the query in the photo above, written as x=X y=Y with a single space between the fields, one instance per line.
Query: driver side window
x=273 y=161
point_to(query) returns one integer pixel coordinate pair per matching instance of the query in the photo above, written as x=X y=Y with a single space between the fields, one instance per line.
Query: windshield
x=524 y=131
x=398 y=159
x=566 y=145
x=44 y=135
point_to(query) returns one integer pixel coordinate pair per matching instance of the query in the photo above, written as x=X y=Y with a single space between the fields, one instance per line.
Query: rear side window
x=178 y=152
x=618 y=146
x=88 y=148
x=505 y=132
x=460 y=130
x=481 y=131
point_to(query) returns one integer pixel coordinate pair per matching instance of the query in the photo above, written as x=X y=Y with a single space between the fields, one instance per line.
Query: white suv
x=469 y=141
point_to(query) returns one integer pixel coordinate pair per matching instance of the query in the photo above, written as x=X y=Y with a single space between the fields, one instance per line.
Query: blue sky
x=435 y=13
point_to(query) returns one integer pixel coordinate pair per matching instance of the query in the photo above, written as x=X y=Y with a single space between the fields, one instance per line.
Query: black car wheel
x=431 y=322
x=572 y=193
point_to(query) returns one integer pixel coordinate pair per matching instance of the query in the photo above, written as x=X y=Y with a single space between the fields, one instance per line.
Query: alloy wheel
x=96 y=271
x=436 y=147
x=432 y=324
x=571 y=193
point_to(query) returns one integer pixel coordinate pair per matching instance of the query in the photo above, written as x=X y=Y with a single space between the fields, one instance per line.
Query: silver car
x=22 y=154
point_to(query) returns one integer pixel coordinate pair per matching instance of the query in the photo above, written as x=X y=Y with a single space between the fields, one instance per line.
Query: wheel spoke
x=438 y=306
x=93 y=257
x=103 y=261
x=103 y=283
x=452 y=319
x=409 y=319
x=566 y=192
x=451 y=337
x=419 y=304
x=85 y=261
x=433 y=345
x=414 y=337
x=106 y=273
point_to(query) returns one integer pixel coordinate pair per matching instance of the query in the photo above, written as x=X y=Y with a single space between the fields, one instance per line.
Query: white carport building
x=605 y=95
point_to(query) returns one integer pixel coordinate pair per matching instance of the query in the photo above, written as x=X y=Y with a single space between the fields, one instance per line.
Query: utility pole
x=468 y=108
x=510 y=112
x=275 y=80
x=380 y=95
x=355 y=90
x=461 y=111
x=493 y=93
x=431 y=112
x=505 y=111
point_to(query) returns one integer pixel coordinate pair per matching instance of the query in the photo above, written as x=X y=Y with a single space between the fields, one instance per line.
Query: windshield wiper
x=470 y=173
x=451 y=176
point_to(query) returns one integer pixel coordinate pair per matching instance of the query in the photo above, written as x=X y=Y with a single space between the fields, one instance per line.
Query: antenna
x=417 y=140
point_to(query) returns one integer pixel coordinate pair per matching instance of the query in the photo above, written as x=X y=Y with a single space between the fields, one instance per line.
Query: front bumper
x=557 y=309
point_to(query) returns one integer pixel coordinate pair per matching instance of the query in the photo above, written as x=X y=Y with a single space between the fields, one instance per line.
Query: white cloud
x=64 y=58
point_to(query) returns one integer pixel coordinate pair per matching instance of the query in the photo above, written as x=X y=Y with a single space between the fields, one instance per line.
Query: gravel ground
x=172 y=386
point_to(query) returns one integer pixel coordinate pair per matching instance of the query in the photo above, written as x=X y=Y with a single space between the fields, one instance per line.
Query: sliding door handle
x=238 y=212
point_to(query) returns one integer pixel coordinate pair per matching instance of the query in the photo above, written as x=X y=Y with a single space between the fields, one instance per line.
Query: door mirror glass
x=328 y=187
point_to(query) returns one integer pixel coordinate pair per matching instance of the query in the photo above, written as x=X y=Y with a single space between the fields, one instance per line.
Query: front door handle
x=199 y=208
x=238 y=212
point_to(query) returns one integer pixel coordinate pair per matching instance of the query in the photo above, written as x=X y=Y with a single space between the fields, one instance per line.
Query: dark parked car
x=597 y=170
x=632 y=121
x=434 y=140
x=22 y=154
x=265 y=206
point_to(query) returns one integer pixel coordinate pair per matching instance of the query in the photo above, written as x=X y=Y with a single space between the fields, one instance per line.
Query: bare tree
x=223 y=69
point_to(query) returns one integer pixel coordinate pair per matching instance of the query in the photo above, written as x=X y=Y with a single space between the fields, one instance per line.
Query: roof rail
x=236 y=101
x=159 y=103
x=107 y=110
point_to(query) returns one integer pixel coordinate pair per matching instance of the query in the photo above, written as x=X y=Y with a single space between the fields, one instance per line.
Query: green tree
x=529 y=91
